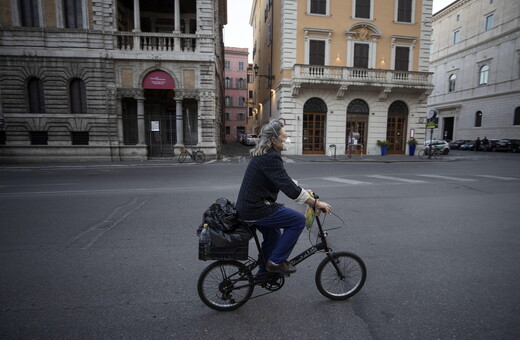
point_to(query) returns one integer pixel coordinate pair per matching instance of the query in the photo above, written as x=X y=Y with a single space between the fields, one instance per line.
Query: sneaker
x=283 y=268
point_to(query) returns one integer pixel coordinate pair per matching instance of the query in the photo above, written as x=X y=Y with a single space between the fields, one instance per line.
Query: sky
x=238 y=33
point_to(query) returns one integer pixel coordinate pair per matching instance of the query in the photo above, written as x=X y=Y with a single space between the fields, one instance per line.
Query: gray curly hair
x=264 y=142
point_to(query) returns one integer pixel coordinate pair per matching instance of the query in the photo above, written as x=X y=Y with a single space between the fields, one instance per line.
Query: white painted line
x=397 y=179
x=287 y=160
x=344 y=180
x=450 y=178
x=499 y=177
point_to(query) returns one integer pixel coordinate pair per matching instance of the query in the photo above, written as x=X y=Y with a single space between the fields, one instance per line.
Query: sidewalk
x=237 y=149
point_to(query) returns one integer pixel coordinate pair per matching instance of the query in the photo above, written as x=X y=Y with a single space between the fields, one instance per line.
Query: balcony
x=163 y=42
x=344 y=77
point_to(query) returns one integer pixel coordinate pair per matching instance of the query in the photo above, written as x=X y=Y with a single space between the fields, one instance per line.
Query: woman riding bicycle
x=264 y=178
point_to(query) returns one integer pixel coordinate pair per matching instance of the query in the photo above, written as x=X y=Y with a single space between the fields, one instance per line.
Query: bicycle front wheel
x=225 y=285
x=199 y=157
x=183 y=156
x=340 y=275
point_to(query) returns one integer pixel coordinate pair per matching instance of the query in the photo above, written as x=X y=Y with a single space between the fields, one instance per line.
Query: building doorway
x=357 y=122
x=396 y=127
x=314 y=119
x=447 y=124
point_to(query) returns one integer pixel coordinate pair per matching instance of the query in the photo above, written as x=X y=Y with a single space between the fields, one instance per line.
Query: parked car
x=469 y=145
x=439 y=144
x=455 y=145
x=491 y=146
x=250 y=139
x=511 y=145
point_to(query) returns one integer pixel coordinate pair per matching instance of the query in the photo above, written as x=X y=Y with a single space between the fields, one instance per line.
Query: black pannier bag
x=229 y=236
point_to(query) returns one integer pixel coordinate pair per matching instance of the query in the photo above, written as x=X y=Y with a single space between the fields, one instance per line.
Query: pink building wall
x=235 y=92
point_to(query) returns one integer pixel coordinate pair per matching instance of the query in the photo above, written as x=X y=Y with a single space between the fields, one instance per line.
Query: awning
x=158 y=80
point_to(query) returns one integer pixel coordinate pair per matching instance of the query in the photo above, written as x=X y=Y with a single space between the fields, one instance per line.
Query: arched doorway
x=396 y=127
x=357 y=121
x=314 y=119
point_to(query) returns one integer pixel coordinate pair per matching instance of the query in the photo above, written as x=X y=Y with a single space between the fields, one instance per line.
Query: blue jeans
x=277 y=246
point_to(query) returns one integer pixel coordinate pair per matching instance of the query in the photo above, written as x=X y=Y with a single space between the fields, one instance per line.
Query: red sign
x=158 y=80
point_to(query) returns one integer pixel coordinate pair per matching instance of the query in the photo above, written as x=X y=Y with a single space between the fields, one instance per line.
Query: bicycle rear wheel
x=199 y=156
x=438 y=154
x=345 y=283
x=225 y=285
x=422 y=154
x=182 y=157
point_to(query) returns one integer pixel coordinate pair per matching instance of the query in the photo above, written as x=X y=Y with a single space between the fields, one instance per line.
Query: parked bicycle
x=227 y=284
x=436 y=153
x=196 y=155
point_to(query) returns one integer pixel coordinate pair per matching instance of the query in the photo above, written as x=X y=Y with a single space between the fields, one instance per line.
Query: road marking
x=498 y=177
x=344 y=180
x=397 y=179
x=450 y=178
x=88 y=237
x=287 y=160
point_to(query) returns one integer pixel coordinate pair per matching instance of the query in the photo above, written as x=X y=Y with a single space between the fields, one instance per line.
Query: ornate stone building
x=475 y=58
x=331 y=67
x=109 y=80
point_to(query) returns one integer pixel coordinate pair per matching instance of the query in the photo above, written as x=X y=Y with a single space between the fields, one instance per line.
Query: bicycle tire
x=438 y=155
x=216 y=285
x=331 y=285
x=199 y=157
x=182 y=157
x=422 y=154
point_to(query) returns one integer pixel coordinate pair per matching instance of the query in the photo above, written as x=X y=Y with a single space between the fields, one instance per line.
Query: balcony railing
x=360 y=76
x=161 y=42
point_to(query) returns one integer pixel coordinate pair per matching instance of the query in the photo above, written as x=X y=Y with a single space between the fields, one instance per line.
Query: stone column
x=119 y=113
x=177 y=16
x=179 y=119
x=140 y=121
x=137 y=17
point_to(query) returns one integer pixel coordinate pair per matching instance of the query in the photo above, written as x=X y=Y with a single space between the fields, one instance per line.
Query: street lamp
x=261 y=75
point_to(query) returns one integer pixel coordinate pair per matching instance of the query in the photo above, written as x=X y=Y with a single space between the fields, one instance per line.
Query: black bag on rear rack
x=225 y=229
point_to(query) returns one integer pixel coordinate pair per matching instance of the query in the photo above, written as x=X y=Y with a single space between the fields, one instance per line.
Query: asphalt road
x=110 y=252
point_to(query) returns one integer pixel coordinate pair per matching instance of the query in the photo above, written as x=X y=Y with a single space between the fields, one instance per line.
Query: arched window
x=227 y=82
x=396 y=124
x=73 y=13
x=78 y=96
x=241 y=101
x=229 y=101
x=451 y=83
x=483 y=75
x=35 y=95
x=478 y=119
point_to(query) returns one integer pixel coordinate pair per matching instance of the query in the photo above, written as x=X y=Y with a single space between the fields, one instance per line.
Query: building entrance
x=314 y=119
x=396 y=127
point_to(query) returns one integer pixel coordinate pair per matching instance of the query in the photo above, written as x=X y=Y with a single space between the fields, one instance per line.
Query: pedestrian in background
x=485 y=144
x=477 y=144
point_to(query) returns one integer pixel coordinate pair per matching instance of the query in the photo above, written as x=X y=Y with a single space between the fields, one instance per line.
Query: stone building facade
x=330 y=68
x=110 y=80
x=475 y=58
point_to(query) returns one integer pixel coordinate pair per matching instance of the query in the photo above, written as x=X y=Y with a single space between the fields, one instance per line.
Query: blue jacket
x=265 y=177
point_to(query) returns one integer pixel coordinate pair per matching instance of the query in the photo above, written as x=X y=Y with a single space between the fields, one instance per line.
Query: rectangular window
x=402 y=58
x=228 y=130
x=73 y=13
x=3 y=137
x=250 y=94
x=478 y=119
x=516 y=120
x=79 y=137
x=489 y=22
x=240 y=65
x=404 y=10
x=316 y=52
x=363 y=9
x=29 y=13
x=240 y=116
x=39 y=137
x=228 y=65
x=456 y=37
x=319 y=7
x=361 y=55
x=228 y=116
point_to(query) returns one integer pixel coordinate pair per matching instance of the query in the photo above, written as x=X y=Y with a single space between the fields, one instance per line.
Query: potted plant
x=412 y=143
x=383 y=144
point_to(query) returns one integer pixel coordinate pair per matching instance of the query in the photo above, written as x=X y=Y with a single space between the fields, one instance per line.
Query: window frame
x=516 y=116
x=489 y=21
x=327 y=8
x=35 y=95
x=452 y=82
x=78 y=96
x=478 y=118
x=371 y=10
x=411 y=12
x=35 y=7
x=456 y=36
x=483 y=75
